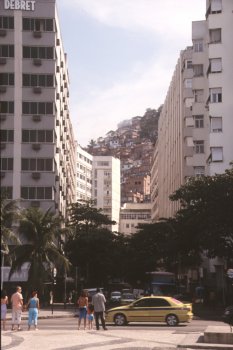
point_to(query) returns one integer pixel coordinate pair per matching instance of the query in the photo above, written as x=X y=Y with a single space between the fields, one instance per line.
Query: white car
x=115 y=297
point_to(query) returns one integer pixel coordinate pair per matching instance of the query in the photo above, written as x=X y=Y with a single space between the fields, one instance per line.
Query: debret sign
x=25 y=5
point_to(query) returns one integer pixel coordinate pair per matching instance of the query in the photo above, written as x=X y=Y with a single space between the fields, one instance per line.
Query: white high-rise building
x=38 y=156
x=106 y=188
x=196 y=124
x=84 y=175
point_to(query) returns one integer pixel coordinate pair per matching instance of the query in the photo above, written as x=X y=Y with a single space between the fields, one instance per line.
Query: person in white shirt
x=98 y=300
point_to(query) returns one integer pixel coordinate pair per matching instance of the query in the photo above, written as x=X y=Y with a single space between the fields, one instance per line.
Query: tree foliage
x=41 y=233
x=83 y=216
x=10 y=213
x=206 y=213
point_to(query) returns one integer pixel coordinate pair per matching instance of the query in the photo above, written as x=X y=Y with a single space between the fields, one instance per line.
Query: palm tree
x=10 y=213
x=41 y=231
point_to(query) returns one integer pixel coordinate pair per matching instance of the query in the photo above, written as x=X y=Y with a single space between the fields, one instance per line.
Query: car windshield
x=116 y=294
x=176 y=301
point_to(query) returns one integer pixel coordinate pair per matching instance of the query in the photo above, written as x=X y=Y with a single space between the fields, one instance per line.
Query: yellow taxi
x=151 y=309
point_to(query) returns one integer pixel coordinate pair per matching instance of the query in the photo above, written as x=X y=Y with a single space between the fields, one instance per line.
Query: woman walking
x=4 y=302
x=83 y=304
x=33 y=309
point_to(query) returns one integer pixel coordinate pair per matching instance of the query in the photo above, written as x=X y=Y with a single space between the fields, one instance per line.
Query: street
x=62 y=334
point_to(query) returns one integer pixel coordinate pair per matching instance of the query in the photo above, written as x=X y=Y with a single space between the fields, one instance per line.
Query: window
x=36 y=193
x=6 y=164
x=7 y=79
x=199 y=171
x=216 y=6
x=199 y=96
x=37 y=136
x=216 y=154
x=6 y=107
x=215 y=35
x=199 y=121
x=216 y=95
x=102 y=163
x=198 y=70
x=45 y=80
x=199 y=147
x=198 y=45
x=37 y=164
x=37 y=108
x=6 y=22
x=7 y=51
x=216 y=124
x=38 y=24
x=6 y=135
x=188 y=83
x=38 y=52
x=215 y=65
x=188 y=64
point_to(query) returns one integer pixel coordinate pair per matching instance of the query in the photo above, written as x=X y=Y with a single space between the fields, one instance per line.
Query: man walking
x=17 y=306
x=98 y=300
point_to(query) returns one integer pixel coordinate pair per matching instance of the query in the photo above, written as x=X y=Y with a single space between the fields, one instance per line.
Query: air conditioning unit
x=2 y=32
x=58 y=42
x=2 y=145
x=35 y=204
x=2 y=89
x=37 y=34
x=36 y=175
x=2 y=117
x=2 y=174
x=56 y=178
x=37 y=89
x=2 y=60
x=36 y=118
x=37 y=62
x=36 y=146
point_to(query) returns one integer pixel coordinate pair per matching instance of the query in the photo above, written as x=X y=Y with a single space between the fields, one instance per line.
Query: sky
x=121 y=56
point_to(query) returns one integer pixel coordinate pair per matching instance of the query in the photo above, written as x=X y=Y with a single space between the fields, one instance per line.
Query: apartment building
x=84 y=175
x=133 y=214
x=38 y=153
x=196 y=124
x=106 y=189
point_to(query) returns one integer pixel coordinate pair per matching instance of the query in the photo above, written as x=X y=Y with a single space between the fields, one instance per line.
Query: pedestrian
x=82 y=304
x=4 y=302
x=90 y=315
x=17 y=306
x=98 y=300
x=33 y=310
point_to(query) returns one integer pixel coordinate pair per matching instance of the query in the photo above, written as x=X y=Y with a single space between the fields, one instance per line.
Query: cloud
x=164 y=17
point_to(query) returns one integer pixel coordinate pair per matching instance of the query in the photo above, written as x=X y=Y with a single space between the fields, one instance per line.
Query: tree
x=206 y=213
x=10 y=213
x=84 y=216
x=93 y=246
x=41 y=233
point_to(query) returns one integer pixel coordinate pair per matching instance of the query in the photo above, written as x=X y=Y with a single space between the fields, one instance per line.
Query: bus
x=161 y=283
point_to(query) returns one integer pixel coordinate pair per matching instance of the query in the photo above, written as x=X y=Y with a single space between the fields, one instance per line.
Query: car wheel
x=120 y=320
x=172 y=320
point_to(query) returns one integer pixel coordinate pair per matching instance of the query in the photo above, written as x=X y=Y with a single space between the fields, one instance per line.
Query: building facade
x=38 y=156
x=84 y=175
x=106 y=189
x=133 y=214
